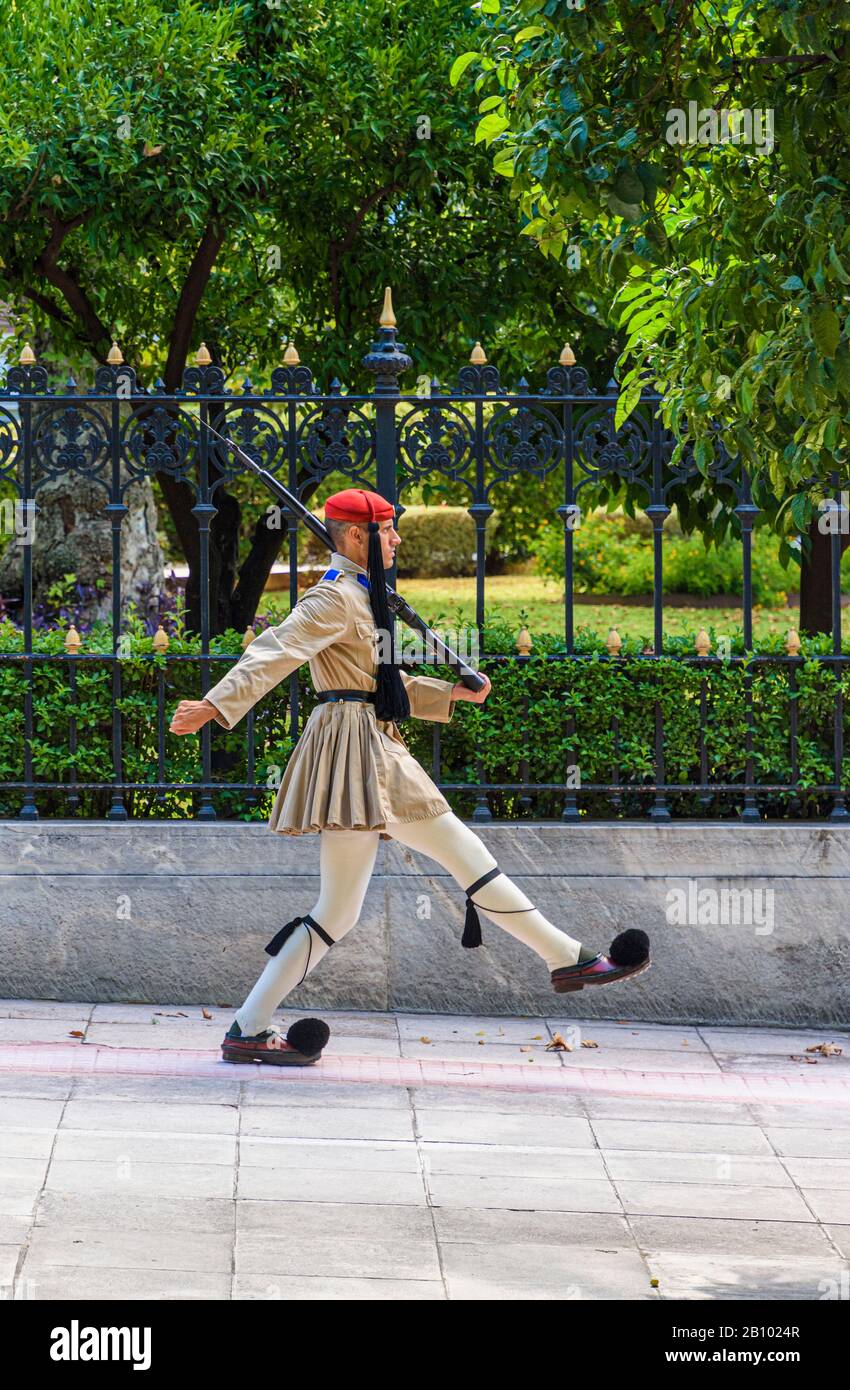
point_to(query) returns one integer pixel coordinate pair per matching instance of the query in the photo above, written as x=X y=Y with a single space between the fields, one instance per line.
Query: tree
x=184 y=169
x=726 y=238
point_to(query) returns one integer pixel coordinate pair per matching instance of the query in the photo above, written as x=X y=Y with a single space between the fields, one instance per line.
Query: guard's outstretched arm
x=318 y=619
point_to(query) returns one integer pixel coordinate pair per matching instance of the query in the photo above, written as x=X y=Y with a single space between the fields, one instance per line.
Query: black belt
x=327 y=696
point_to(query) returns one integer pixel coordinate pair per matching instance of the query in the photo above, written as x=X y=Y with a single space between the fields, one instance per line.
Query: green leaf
x=825 y=329
x=568 y=99
x=628 y=187
x=490 y=127
x=626 y=402
x=630 y=211
x=460 y=65
x=745 y=393
x=837 y=266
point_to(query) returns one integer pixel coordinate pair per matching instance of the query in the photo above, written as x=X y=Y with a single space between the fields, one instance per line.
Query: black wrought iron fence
x=478 y=435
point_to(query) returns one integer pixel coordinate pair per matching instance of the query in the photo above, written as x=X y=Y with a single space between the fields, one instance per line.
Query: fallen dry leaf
x=427 y=1040
x=536 y=1037
x=150 y=150
x=558 y=1044
x=826 y=1049
x=812 y=1061
x=75 y=1033
x=161 y=1013
x=586 y=1042
x=206 y=1013
x=525 y=1049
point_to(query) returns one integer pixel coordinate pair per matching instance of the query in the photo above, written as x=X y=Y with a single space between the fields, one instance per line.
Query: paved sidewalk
x=425 y=1157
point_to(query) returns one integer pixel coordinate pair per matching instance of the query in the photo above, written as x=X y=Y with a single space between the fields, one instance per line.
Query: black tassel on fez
x=391 y=701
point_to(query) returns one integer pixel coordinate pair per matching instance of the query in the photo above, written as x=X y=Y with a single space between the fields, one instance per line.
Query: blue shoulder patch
x=336 y=574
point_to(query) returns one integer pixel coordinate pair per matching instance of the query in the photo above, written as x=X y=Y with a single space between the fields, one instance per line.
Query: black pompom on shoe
x=302 y=1045
x=630 y=947
x=627 y=955
x=308 y=1035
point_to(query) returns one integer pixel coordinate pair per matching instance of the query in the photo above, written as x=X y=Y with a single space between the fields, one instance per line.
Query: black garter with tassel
x=472 y=924
x=391 y=700
x=285 y=933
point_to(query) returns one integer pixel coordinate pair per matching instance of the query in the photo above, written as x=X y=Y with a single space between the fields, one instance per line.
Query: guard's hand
x=475 y=697
x=190 y=716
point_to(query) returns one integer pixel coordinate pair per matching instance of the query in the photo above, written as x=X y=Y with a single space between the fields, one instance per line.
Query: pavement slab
x=427 y=1157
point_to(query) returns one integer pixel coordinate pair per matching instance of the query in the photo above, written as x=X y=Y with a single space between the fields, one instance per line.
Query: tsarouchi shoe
x=627 y=955
x=302 y=1045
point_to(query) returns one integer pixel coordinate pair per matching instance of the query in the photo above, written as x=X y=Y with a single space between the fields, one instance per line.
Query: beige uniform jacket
x=349 y=770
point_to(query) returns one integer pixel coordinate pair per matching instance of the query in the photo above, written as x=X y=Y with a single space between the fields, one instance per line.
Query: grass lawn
x=440 y=600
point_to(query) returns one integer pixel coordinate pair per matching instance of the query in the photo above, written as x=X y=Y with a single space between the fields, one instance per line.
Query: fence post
x=387 y=359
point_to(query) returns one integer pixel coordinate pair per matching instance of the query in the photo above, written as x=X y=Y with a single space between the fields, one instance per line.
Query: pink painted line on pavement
x=91 y=1059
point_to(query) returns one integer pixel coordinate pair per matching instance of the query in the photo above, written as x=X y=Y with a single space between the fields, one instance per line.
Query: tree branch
x=338 y=249
x=189 y=302
x=13 y=212
x=72 y=292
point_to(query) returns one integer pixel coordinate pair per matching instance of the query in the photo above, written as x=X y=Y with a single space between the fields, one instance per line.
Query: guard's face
x=390 y=539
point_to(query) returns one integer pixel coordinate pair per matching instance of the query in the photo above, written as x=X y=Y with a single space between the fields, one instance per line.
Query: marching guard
x=352 y=780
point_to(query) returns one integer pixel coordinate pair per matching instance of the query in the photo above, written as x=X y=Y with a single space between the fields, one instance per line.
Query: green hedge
x=436 y=542
x=525 y=717
x=613 y=554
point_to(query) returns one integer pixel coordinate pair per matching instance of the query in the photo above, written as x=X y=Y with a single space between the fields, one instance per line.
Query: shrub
x=436 y=542
x=522 y=730
x=613 y=554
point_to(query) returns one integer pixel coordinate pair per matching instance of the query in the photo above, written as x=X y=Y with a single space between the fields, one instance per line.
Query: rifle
x=396 y=604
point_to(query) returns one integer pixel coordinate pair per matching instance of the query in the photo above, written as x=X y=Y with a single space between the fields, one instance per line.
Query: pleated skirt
x=351 y=771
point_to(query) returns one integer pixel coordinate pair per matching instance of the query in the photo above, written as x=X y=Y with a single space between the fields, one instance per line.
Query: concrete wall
x=176 y=911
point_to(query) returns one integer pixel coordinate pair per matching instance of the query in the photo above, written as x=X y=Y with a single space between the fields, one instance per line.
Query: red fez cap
x=358 y=504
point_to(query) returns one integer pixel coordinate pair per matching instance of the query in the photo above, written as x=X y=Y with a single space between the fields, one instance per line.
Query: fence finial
x=523 y=642
x=477 y=356
x=614 y=642
x=202 y=356
x=387 y=319
x=115 y=356
x=160 y=639
x=792 y=642
x=567 y=357
x=702 y=642
x=73 y=641
x=249 y=636
x=291 y=357
x=27 y=357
